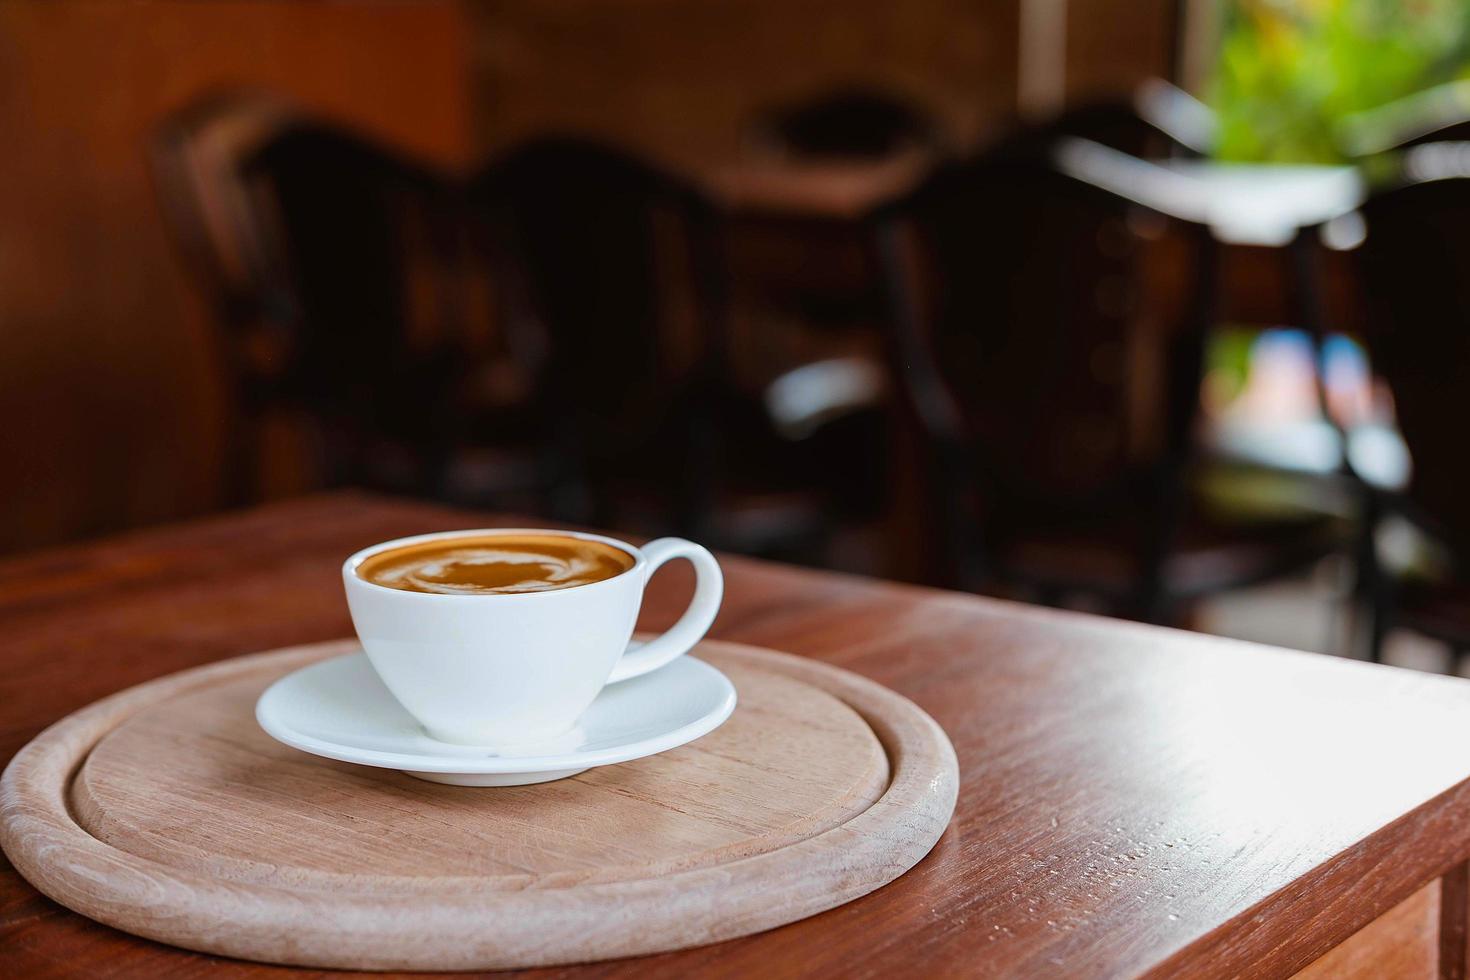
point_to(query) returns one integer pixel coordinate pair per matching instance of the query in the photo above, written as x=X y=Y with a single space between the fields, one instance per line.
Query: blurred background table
x=1132 y=799
x=826 y=190
x=1266 y=204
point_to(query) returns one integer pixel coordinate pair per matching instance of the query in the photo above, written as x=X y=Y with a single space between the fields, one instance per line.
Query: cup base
x=558 y=744
x=492 y=779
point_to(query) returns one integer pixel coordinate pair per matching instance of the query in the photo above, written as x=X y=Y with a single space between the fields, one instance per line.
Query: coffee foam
x=499 y=565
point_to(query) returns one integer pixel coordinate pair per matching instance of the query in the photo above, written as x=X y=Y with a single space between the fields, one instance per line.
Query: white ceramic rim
x=494 y=765
x=349 y=567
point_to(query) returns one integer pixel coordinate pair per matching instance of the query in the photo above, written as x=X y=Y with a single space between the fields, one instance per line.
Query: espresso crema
x=499 y=564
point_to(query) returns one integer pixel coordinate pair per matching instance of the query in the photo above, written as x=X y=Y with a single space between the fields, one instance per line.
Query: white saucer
x=339 y=709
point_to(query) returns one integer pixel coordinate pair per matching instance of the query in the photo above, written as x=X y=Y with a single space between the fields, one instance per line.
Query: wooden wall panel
x=108 y=389
x=1112 y=46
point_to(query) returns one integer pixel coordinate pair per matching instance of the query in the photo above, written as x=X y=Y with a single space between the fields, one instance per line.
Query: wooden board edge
x=494 y=931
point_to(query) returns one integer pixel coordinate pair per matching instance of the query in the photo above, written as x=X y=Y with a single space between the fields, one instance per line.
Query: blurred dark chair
x=846 y=124
x=1142 y=126
x=196 y=156
x=546 y=335
x=372 y=349
x=339 y=275
x=622 y=274
x=1020 y=339
x=1415 y=269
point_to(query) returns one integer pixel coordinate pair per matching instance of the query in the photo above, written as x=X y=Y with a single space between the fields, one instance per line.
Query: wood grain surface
x=166 y=811
x=1133 y=800
x=192 y=781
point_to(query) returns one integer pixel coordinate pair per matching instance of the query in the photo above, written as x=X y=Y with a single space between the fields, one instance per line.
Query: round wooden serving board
x=165 y=811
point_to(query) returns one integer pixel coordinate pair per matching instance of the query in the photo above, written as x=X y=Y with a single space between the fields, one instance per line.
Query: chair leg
x=568 y=492
x=1155 y=596
x=1046 y=596
x=1374 y=588
x=244 y=483
x=695 y=509
x=1378 y=627
x=1154 y=605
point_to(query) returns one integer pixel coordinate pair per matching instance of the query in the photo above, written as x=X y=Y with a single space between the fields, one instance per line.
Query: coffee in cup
x=496 y=564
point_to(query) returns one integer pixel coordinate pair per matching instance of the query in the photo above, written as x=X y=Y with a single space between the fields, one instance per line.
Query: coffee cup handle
x=709 y=588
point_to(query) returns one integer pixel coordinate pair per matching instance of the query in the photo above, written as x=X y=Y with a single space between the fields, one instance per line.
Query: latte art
x=491 y=570
x=495 y=565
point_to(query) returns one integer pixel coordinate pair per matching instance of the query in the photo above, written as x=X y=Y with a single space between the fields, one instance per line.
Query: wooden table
x=833 y=191
x=1133 y=800
x=1263 y=204
x=1267 y=204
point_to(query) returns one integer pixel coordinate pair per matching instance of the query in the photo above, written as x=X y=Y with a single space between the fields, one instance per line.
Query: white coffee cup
x=500 y=669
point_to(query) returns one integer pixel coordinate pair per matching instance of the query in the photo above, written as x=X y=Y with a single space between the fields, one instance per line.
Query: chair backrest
x=1415 y=270
x=619 y=268
x=851 y=123
x=196 y=155
x=366 y=237
x=1029 y=309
